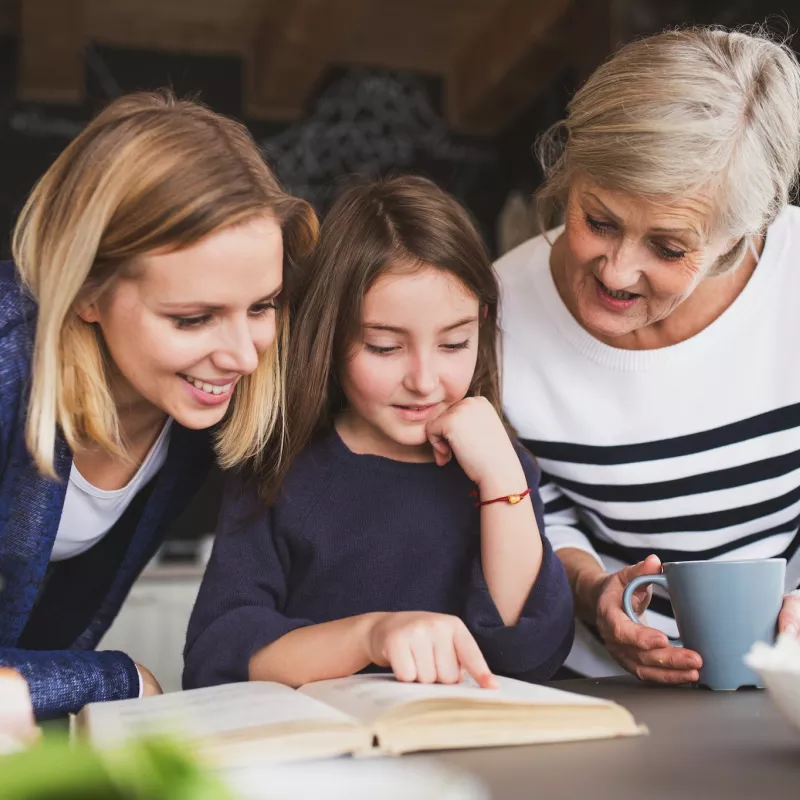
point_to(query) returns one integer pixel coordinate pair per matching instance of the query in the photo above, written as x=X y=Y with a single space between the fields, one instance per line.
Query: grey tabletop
x=702 y=744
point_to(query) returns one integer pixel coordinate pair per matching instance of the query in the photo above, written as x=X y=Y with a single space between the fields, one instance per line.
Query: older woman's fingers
x=618 y=629
x=668 y=658
x=789 y=619
x=668 y=676
x=659 y=666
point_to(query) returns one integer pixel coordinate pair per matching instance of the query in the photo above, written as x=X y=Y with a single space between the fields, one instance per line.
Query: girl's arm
x=519 y=605
x=511 y=546
x=238 y=610
x=315 y=653
x=416 y=645
x=238 y=632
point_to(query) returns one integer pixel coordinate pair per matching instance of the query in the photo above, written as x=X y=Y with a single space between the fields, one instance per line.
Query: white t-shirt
x=89 y=513
x=690 y=451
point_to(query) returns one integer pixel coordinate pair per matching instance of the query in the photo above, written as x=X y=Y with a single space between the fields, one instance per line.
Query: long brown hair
x=371 y=229
x=151 y=172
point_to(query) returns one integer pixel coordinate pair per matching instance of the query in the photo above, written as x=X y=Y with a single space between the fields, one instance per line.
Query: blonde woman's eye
x=263 y=308
x=186 y=323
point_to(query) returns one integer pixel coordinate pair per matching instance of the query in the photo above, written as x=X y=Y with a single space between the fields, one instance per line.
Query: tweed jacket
x=62 y=681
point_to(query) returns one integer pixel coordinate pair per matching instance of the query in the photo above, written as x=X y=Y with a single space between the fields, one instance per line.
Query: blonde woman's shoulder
x=16 y=306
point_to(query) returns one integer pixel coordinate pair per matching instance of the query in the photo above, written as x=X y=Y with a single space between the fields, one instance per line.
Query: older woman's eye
x=598 y=226
x=668 y=253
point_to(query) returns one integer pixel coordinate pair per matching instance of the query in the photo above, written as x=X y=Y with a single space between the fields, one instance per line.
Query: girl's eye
x=263 y=308
x=668 y=253
x=452 y=348
x=185 y=323
x=380 y=351
x=598 y=226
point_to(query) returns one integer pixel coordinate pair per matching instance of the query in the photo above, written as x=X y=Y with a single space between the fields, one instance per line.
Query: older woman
x=651 y=352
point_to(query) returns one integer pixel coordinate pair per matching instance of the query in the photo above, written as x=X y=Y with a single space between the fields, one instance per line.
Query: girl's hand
x=426 y=647
x=473 y=432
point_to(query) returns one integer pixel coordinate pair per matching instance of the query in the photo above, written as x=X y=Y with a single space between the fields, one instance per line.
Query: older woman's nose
x=620 y=268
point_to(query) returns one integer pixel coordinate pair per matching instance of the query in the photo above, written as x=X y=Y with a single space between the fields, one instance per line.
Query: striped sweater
x=690 y=451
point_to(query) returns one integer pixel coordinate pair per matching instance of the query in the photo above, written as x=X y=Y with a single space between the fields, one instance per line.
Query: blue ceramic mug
x=721 y=608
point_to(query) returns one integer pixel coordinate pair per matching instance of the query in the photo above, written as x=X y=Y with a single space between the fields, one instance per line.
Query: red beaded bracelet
x=513 y=499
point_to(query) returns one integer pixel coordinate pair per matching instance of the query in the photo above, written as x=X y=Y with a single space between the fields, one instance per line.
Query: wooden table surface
x=702 y=744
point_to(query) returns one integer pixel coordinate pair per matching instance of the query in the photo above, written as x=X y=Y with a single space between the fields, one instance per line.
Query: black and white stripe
x=627 y=520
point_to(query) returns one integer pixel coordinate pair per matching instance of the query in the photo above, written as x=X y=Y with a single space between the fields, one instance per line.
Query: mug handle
x=643 y=580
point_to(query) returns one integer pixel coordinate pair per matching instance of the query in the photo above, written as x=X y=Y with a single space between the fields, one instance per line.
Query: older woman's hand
x=645 y=652
x=789 y=619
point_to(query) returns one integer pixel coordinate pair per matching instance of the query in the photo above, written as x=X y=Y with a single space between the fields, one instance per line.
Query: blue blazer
x=63 y=681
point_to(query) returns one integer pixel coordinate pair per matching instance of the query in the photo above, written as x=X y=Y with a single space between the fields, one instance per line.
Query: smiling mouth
x=617 y=294
x=208 y=388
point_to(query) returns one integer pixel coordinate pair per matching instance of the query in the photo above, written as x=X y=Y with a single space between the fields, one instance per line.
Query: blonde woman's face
x=625 y=263
x=189 y=324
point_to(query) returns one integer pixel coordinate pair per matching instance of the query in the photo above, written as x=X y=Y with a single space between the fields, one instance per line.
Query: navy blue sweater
x=353 y=534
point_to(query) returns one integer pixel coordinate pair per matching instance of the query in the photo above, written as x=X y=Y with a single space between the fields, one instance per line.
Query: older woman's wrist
x=586 y=579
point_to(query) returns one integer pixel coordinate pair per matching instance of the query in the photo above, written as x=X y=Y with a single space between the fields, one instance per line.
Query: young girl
x=403 y=525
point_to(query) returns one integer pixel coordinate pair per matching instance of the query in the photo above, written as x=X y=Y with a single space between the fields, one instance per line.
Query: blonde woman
x=650 y=358
x=141 y=335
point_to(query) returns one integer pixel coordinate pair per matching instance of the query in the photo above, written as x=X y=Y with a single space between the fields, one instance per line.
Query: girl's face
x=189 y=324
x=416 y=358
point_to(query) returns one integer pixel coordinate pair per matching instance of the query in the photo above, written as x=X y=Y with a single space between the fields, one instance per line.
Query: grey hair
x=689 y=112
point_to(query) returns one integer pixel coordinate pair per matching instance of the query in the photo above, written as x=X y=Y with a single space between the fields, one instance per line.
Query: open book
x=242 y=723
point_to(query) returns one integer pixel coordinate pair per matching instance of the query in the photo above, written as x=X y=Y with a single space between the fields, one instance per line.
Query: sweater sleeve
x=61 y=682
x=561 y=521
x=239 y=606
x=538 y=644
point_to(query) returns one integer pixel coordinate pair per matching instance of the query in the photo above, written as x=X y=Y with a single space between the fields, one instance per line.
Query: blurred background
x=453 y=89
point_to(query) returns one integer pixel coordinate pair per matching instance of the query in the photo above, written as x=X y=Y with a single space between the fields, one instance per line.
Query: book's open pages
x=247 y=723
x=231 y=725
x=410 y=716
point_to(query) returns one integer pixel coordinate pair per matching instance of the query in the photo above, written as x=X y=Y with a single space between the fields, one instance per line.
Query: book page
x=208 y=713
x=368 y=697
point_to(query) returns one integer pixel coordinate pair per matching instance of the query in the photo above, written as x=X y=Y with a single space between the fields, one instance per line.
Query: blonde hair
x=695 y=112
x=151 y=172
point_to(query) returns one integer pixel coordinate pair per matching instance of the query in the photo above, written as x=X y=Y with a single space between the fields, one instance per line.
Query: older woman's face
x=626 y=263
